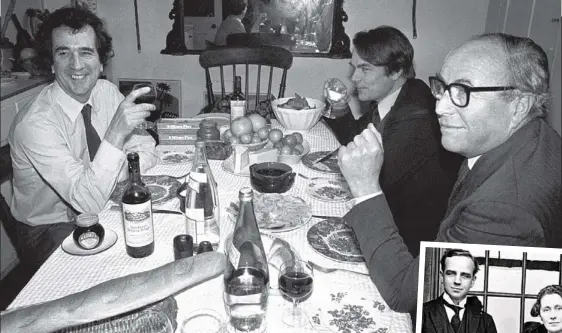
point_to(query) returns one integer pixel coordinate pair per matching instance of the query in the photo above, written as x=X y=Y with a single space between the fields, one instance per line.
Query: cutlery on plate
x=324 y=269
x=154 y=211
x=326 y=157
x=323 y=216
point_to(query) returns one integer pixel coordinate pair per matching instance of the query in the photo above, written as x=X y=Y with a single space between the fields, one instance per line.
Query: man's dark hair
x=458 y=253
x=548 y=290
x=236 y=7
x=75 y=18
x=388 y=47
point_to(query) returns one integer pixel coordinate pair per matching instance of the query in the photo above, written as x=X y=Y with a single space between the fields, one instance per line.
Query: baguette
x=115 y=296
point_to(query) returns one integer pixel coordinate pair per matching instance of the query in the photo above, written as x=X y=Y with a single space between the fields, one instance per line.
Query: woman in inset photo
x=549 y=307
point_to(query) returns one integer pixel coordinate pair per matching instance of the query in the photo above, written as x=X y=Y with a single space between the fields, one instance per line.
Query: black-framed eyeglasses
x=458 y=92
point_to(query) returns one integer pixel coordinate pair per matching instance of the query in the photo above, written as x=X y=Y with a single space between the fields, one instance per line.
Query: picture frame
x=168 y=102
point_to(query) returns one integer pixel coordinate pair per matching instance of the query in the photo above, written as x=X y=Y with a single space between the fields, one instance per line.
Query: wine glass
x=152 y=321
x=295 y=282
x=149 y=97
x=335 y=90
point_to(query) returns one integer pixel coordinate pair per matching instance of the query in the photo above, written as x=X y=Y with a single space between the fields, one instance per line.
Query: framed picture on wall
x=168 y=92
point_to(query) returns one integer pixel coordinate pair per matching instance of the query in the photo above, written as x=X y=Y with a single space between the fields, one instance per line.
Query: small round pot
x=271 y=177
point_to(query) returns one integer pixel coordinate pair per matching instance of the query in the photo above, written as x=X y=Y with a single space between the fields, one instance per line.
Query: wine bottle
x=237 y=100
x=137 y=213
x=246 y=278
x=202 y=200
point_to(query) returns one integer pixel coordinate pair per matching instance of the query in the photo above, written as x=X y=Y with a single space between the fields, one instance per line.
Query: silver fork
x=332 y=269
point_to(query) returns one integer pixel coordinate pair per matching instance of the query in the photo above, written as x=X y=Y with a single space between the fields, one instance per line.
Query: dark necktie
x=463 y=173
x=376 y=117
x=456 y=320
x=92 y=137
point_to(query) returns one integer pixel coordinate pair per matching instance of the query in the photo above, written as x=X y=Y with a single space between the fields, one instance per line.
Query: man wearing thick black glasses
x=492 y=96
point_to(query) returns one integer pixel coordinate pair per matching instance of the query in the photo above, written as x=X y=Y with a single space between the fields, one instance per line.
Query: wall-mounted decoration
x=168 y=100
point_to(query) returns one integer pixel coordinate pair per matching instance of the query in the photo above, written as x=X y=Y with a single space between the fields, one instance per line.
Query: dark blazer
x=417 y=173
x=435 y=320
x=512 y=196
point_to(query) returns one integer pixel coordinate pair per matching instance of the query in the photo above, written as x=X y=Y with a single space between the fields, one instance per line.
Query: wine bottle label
x=137 y=220
x=237 y=109
x=232 y=252
x=195 y=179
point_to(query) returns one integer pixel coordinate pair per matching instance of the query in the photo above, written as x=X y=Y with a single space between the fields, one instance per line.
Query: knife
x=154 y=211
x=326 y=157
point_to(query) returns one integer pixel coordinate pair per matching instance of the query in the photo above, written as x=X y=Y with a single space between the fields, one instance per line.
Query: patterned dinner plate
x=277 y=212
x=333 y=190
x=329 y=166
x=343 y=312
x=333 y=239
x=175 y=157
x=162 y=188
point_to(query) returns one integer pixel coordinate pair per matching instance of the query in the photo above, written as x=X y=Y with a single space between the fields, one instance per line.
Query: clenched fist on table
x=361 y=162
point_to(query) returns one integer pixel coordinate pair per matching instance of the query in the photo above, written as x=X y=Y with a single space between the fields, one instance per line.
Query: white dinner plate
x=331 y=190
x=70 y=247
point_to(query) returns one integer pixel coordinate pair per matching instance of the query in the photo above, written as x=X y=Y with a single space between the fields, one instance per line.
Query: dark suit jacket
x=417 y=173
x=512 y=196
x=435 y=320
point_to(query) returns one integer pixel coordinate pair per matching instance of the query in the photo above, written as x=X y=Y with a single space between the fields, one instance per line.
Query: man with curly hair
x=68 y=147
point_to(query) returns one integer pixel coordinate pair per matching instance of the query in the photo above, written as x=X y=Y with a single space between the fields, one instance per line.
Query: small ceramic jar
x=208 y=131
x=88 y=233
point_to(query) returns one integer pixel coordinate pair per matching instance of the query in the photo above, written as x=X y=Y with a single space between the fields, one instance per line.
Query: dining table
x=341 y=301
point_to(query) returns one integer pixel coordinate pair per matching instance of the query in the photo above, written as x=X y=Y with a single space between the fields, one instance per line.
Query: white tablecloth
x=63 y=274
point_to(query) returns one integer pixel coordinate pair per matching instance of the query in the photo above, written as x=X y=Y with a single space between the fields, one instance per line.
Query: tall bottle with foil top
x=202 y=200
x=137 y=213
x=246 y=278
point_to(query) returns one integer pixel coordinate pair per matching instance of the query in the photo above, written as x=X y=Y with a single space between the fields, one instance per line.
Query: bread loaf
x=114 y=297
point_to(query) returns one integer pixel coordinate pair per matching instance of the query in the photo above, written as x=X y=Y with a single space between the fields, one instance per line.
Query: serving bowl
x=294 y=159
x=271 y=177
x=298 y=120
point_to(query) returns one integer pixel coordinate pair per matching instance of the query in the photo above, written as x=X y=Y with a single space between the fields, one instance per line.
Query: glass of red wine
x=149 y=98
x=295 y=282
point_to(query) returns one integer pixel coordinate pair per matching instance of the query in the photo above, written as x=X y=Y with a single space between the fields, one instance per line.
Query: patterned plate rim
x=147 y=179
x=325 y=250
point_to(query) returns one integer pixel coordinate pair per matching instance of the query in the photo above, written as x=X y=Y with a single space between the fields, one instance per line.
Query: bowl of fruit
x=250 y=131
x=290 y=148
x=297 y=113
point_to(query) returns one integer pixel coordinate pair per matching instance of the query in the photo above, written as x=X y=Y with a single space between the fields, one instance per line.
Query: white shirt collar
x=69 y=105
x=448 y=299
x=472 y=161
x=386 y=103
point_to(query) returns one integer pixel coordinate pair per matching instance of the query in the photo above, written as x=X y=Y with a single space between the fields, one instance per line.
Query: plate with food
x=277 y=212
x=175 y=157
x=334 y=190
x=162 y=189
x=328 y=166
x=334 y=239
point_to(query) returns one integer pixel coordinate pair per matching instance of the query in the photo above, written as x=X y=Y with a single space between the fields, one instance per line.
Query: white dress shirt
x=451 y=312
x=52 y=168
x=387 y=103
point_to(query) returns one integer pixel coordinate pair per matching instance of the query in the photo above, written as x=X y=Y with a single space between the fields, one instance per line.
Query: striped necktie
x=376 y=117
x=92 y=137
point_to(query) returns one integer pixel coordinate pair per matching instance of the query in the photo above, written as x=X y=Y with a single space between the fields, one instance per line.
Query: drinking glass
x=152 y=321
x=334 y=90
x=203 y=321
x=149 y=97
x=295 y=282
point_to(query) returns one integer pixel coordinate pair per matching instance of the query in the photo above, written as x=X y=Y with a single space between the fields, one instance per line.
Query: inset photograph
x=469 y=288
